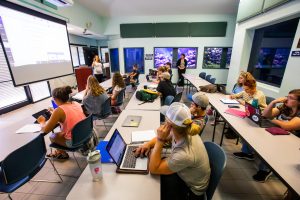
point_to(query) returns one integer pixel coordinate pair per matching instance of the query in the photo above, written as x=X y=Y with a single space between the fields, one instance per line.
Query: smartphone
x=233 y=106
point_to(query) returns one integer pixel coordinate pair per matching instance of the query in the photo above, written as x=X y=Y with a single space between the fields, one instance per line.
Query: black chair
x=205 y=122
x=217 y=160
x=212 y=80
x=81 y=133
x=207 y=77
x=23 y=164
x=202 y=75
x=177 y=98
x=269 y=99
x=105 y=111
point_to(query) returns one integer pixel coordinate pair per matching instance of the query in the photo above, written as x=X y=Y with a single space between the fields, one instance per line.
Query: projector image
x=61 y=3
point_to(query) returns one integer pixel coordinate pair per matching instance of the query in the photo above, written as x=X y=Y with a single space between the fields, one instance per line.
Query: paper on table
x=78 y=96
x=229 y=101
x=142 y=136
x=29 y=128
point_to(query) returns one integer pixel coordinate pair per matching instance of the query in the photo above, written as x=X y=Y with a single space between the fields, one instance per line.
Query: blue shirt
x=237 y=89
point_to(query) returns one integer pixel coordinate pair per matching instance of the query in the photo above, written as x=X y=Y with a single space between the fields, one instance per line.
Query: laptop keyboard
x=130 y=159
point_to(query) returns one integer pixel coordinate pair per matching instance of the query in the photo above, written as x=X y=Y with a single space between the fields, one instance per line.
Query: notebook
x=142 y=136
x=105 y=157
x=229 y=101
x=123 y=156
x=29 y=128
x=235 y=112
x=132 y=121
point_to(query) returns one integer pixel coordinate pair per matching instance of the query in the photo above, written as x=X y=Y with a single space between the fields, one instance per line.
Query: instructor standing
x=181 y=65
x=98 y=68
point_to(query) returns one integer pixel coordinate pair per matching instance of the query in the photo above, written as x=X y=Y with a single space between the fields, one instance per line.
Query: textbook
x=229 y=101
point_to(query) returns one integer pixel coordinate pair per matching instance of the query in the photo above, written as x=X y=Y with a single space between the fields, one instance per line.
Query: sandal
x=59 y=156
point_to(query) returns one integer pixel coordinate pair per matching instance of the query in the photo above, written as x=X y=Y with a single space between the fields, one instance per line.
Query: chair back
x=212 y=80
x=169 y=99
x=177 y=98
x=82 y=131
x=217 y=160
x=202 y=75
x=120 y=97
x=207 y=77
x=24 y=162
x=106 y=108
x=269 y=99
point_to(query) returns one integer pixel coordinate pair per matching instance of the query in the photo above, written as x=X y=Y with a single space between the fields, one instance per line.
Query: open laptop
x=254 y=114
x=123 y=156
x=132 y=121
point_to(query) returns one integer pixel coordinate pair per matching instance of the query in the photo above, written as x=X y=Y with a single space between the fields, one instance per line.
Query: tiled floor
x=236 y=182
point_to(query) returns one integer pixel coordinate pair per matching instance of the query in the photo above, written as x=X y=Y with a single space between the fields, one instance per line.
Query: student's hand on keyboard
x=142 y=151
x=41 y=120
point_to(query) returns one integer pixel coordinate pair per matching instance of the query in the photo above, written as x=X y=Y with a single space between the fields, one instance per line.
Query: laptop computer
x=254 y=114
x=46 y=113
x=123 y=156
x=132 y=121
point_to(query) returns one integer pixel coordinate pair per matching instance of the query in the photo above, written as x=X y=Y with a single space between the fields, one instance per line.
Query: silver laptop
x=132 y=121
x=123 y=155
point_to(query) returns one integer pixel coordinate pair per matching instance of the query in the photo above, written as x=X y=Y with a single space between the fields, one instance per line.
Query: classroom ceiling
x=119 y=8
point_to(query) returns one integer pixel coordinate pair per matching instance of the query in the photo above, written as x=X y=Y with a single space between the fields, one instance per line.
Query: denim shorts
x=69 y=143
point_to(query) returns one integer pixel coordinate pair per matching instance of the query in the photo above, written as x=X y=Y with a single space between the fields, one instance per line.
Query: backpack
x=210 y=88
x=146 y=95
x=90 y=145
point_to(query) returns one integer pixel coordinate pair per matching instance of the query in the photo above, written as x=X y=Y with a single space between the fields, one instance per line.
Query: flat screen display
x=36 y=45
x=190 y=55
x=162 y=55
x=217 y=57
x=273 y=57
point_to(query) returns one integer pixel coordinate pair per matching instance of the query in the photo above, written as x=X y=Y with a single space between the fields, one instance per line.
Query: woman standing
x=97 y=67
x=181 y=65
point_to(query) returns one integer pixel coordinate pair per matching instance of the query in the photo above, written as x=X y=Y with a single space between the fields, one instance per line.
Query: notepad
x=78 y=96
x=229 y=101
x=29 y=128
x=142 y=136
x=235 y=112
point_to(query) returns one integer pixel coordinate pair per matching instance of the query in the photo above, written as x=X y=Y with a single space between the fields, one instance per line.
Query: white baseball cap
x=200 y=99
x=177 y=113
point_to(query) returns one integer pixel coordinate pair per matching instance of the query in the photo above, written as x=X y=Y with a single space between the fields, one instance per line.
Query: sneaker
x=242 y=155
x=262 y=176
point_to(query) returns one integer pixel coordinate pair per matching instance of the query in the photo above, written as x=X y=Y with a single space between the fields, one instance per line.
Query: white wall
x=112 y=27
x=242 y=44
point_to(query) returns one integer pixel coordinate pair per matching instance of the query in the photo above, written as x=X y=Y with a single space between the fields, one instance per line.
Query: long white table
x=135 y=104
x=121 y=186
x=195 y=81
x=279 y=152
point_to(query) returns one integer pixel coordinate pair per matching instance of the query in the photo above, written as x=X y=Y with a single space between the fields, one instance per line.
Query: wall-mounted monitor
x=36 y=45
x=273 y=58
x=114 y=60
x=190 y=55
x=134 y=56
x=216 y=57
x=162 y=55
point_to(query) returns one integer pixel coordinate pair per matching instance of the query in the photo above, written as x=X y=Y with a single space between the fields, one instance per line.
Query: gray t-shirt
x=93 y=103
x=190 y=161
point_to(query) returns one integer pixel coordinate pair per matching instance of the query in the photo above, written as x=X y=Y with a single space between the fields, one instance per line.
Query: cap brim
x=164 y=109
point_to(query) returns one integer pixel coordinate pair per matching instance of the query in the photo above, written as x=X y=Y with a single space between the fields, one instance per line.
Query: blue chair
x=23 y=164
x=168 y=101
x=217 y=160
x=269 y=99
x=202 y=75
x=81 y=134
x=105 y=111
x=177 y=98
x=208 y=77
x=212 y=80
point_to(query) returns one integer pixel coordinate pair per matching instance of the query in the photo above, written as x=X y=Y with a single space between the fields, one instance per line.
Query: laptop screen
x=116 y=147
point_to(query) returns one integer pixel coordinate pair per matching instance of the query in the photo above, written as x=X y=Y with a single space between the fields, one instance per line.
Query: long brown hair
x=246 y=76
x=118 y=80
x=95 y=88
x=96 y=58
x=286 y=110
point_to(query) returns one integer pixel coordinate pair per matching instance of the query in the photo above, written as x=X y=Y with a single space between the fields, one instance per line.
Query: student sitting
x=198 y=108
x=118 y=84
x=165 y=87
x=287 y=116
x=134 y=75
x=160 y=70
x=169 y=69
x=67 y=114
x=94 y=96
x=188 y=164
x=250 y=92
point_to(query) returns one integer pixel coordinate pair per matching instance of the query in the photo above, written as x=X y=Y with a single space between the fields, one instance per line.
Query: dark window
x=216 y=57
x=114 y=60
x=270 y=51
x=134 y=56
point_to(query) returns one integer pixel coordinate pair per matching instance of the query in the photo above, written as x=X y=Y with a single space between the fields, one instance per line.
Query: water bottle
x=94 y=161
x=255 y=103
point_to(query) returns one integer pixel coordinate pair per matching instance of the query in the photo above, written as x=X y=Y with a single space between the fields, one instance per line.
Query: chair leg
x=9 y=196
x=49 y=181
x=77 y=162
x=223 y=131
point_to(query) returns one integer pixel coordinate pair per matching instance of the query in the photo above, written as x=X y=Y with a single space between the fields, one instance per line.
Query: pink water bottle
x=94 y=161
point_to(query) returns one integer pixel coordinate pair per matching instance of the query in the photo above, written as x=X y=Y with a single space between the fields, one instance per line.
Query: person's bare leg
x=58 y=138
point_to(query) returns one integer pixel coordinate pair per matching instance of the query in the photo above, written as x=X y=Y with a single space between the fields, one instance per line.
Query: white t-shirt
x=97 y=68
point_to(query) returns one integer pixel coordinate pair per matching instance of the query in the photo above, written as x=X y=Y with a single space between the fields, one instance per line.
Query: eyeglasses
x=291 y=98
